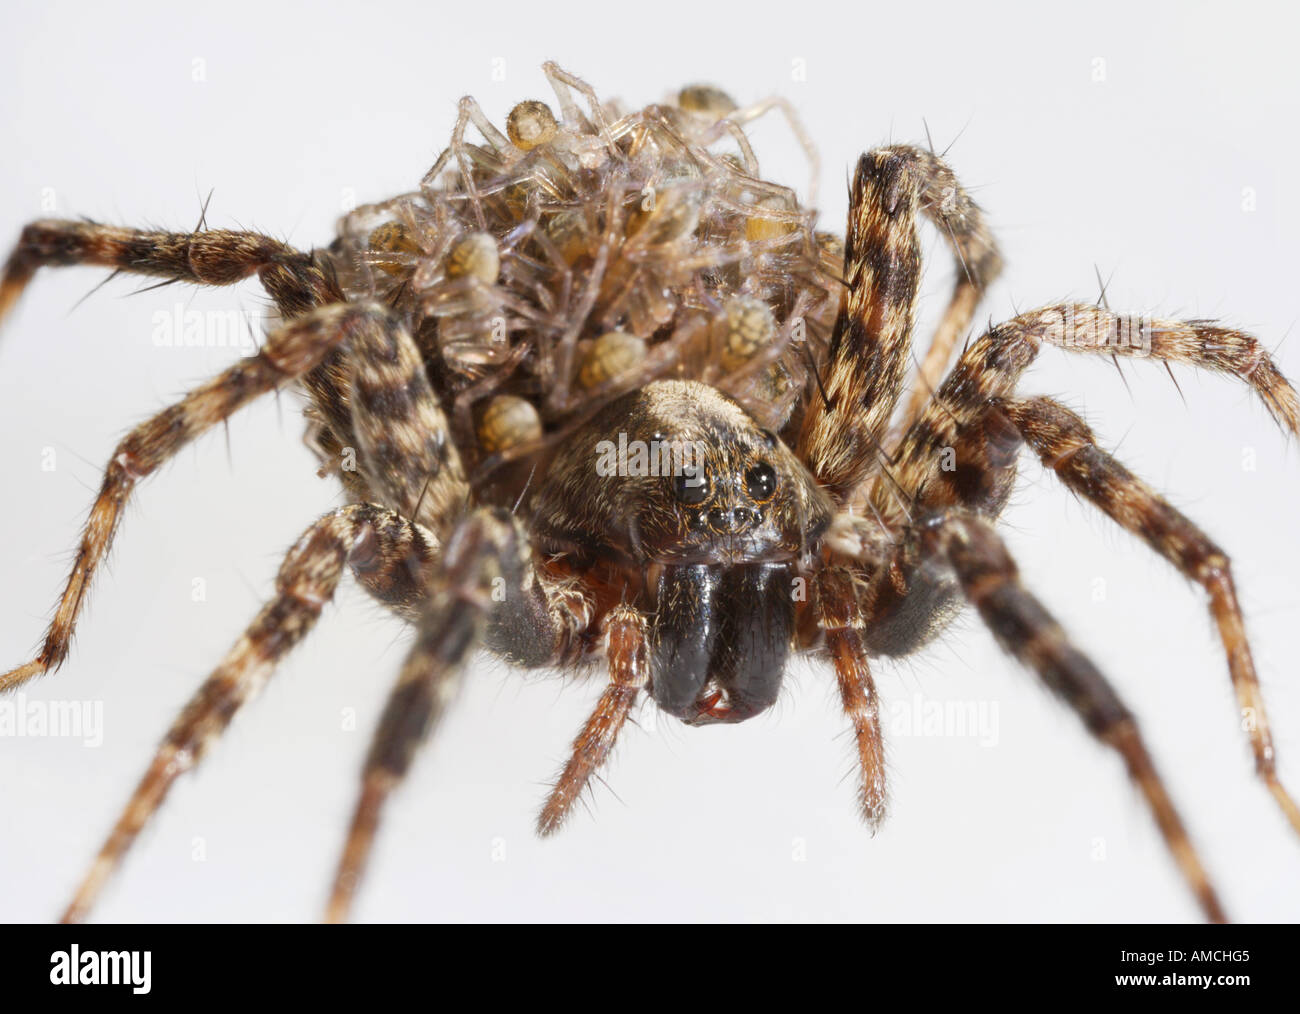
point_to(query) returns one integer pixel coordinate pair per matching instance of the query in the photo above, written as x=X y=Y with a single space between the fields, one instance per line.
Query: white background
x=1142 y=174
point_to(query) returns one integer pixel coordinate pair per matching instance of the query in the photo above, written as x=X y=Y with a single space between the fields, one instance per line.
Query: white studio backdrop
x=1152 y=146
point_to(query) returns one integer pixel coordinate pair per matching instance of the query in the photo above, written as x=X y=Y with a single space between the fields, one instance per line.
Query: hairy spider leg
x=368 y=538
x=1066 y=445
x=1029 y=633
x=290 y=351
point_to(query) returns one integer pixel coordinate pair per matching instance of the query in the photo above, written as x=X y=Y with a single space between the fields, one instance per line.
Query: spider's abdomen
x=575 y=258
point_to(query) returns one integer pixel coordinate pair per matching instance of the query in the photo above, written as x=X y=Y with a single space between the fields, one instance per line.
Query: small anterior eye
x=760 y=482
x=691 y=485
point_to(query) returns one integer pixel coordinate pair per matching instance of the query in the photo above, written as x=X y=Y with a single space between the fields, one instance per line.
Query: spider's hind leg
x=1066 y=445
x=376 y=543
x=296 y=280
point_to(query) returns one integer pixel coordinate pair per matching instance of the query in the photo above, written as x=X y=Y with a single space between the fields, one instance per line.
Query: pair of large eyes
x=692 y=487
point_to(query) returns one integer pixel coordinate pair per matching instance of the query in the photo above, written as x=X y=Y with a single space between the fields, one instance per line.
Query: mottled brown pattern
x=394 y=563
x=945 y=202
x=990 y=368
x=1026 y=630
x=402 y=431
x=869 y=350
x=822 y=512
x=289 y=351
x=208 y=257
x=1066 y=445
x=484 y=547
x=356 y=534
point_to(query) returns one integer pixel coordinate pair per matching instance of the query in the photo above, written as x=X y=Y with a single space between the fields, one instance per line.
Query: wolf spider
x=598 y=287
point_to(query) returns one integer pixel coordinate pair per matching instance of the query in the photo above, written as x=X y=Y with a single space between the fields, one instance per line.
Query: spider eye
x=760 y=482
x=691 y=485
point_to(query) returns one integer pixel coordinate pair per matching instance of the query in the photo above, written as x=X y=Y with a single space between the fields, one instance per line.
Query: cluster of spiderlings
x=548 y=269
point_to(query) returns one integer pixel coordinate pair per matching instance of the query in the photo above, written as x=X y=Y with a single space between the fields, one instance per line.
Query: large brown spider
x=598 y=390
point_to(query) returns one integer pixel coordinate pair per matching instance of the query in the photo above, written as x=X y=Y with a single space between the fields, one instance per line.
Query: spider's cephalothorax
x=598 y=391
x=704 y=520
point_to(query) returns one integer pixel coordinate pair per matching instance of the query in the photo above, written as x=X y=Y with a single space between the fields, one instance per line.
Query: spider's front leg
x=484 y=588
x=869 y=350
x=382 y=548
x=989 y=579
x=289 y=352
x=407 y=456
x=945 y=202
x=843 y=429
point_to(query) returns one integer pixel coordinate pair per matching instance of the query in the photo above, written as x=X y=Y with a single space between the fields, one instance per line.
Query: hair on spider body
x=598 y=391
x=710 y=550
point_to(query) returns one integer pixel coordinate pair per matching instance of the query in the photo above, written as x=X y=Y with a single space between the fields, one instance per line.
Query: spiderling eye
x=691 y=485
x=760 y=482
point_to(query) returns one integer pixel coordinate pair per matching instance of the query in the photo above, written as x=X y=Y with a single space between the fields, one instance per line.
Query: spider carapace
x=597 y=392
